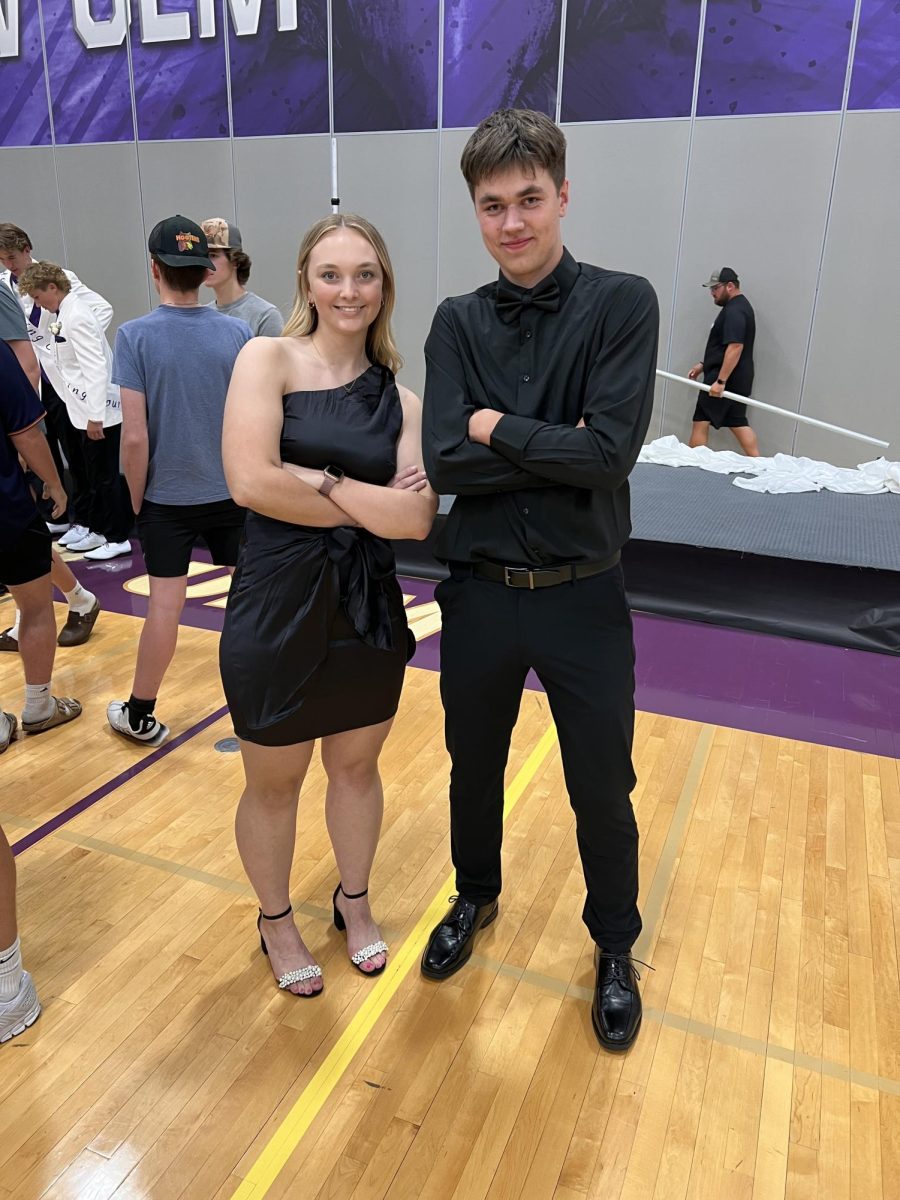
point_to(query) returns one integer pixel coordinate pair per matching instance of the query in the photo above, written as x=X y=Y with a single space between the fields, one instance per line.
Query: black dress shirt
x=544 y=491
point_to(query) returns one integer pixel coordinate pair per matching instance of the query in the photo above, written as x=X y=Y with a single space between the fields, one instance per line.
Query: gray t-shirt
x=12 y=318
x=181 y=359
x=263 y=318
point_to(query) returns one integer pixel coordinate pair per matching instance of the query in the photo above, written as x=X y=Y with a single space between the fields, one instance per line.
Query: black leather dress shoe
x=451 y=943
x=616 y=1010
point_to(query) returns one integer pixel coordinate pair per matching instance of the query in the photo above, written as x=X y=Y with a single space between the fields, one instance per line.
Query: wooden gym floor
x=167 y=1064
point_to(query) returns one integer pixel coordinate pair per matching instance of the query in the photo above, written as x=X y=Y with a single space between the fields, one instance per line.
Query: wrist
x=331 y=478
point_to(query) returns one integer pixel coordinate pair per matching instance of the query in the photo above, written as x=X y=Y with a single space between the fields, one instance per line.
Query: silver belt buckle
x=508 y=573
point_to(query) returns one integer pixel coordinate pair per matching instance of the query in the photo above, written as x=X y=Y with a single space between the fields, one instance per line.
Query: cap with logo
x=723 y=275
x=222 y=234
x=179 y=242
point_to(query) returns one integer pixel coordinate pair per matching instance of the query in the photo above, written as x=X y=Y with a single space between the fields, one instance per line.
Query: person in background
x=231 y=270
x=727 y=364
x=79 y=365
x=173 y=367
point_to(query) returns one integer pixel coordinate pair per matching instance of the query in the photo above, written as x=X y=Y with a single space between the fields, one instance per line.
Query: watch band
x=333 y=476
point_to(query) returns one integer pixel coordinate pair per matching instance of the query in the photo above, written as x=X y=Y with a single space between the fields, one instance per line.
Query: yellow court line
x=286 y=1137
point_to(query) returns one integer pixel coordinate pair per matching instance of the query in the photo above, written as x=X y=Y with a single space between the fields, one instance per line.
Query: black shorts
x=169 y=532
x=28 y=557
x=721 y=414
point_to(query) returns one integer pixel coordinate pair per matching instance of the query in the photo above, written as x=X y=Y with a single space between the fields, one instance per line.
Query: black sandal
x=302 y=974
x=367 y=952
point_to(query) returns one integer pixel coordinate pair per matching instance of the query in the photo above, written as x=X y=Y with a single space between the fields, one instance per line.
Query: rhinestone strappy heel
x=369 y=951
x=302 y=974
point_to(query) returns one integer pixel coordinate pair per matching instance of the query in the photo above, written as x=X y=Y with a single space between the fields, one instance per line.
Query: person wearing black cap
x=727 y=364
x=231 y=270
x=173 y=367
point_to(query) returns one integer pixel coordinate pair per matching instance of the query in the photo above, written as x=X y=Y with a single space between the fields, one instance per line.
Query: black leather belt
x=541 y=577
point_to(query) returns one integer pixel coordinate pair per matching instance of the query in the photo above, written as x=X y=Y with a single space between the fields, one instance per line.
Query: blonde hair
x=380 y=345
x=39 y=274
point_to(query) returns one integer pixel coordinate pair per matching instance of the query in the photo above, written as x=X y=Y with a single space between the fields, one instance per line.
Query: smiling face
x=344 y=281
x=519 y=214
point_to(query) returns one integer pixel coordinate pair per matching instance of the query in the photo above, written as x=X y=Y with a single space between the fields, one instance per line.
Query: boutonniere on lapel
x=56 y=330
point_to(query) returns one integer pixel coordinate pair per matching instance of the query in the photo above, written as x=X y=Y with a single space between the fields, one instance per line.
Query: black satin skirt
x=315 y=640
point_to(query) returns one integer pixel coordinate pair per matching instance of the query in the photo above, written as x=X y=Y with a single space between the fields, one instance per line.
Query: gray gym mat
x=697 y=508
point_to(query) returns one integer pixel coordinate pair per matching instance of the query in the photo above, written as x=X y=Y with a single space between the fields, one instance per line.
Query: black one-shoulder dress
x=316 y=639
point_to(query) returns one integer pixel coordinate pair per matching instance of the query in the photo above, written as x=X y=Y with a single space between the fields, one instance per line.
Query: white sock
x=39 y=703
x=10 y=971
x=80 y=600
x=14 y=632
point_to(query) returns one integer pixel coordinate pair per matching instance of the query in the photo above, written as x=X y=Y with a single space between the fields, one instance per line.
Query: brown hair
x=13 y=238
x=242 y=263
x=514 y=137
x=40 y=274
x=181 y=279
x=380 y=345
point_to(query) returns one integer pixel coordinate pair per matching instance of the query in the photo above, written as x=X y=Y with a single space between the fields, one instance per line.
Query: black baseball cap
x=179 y=242
x=723 y=275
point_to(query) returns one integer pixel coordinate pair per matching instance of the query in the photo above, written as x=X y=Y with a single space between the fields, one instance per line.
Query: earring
x=311 y=303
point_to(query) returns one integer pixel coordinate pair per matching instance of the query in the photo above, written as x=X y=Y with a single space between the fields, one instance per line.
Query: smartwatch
x=722 y=381
x=333 y=476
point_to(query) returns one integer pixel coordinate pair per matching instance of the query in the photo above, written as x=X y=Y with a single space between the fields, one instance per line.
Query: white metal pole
x=781 y=412
x=335 y=199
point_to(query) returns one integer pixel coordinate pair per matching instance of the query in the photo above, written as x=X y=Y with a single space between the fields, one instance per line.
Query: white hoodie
x=78 y=362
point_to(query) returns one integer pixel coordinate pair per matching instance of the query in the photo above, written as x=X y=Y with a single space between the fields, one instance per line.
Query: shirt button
x=528 y=333
x=526 y=378
x=525 y=511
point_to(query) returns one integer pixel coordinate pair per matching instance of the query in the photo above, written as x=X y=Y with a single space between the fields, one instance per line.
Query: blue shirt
x=19 y=410
x=181 y=359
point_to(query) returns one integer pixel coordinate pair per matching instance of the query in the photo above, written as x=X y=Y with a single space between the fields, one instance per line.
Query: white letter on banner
x=163 y=27
x=287 y=15
x=96 y=34
x=244 y=16
x=206 y=18
x=9 y=28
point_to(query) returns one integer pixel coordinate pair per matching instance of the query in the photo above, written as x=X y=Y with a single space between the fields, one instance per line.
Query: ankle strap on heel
x=355 y=896
x=277 y=916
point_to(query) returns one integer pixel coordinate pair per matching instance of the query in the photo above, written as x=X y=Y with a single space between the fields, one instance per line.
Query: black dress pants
x=106 y=502
x=578 y=639
x=61 y=433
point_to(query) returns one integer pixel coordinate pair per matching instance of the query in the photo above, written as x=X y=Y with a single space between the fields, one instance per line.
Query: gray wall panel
x=627 y=184
x=464 y=262
x=282 y=186
x=391 y=179
x=191 y=178
x=851 y=378
x=107 y=246
x=757 y=201
x=29 y=198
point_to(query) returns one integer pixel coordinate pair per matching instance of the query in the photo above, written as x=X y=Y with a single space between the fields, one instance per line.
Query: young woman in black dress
x=324 y=448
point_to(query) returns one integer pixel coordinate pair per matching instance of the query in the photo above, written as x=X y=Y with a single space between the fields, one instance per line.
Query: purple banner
x=499 y=54
x=279 y=77
x=385 y=59
x=766 y=57
x=629 y=59
x=26 y=119
x=179 y=76
x=876 y=61
x=88 y=63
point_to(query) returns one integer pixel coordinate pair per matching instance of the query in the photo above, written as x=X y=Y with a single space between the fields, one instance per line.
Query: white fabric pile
x=780 y=474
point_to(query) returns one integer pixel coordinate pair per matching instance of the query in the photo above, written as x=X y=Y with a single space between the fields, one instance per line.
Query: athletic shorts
x=169 y=532
x=721 y=414
x=28 y=556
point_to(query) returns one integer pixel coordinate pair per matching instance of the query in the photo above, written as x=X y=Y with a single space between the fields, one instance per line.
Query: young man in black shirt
x=727 y=364
x=538 y=394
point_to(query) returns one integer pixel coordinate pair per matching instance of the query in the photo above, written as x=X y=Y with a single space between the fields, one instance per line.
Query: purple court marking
x=111 y=785
x=732 y=677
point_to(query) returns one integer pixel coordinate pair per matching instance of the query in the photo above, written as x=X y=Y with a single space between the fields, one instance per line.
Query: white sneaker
x=90 y=541
x=152 y=733
x=20 y=1012
x=75 y=534
x=109 y=550
x=63 y=527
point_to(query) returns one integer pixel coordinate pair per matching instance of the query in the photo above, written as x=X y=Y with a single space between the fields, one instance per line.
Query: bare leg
x=37 y=628
x=747 y=440
x=354 y=806
x=699 y=433
x=266 y=828
x=7 y=894
x=61 y=574
x=159 y=635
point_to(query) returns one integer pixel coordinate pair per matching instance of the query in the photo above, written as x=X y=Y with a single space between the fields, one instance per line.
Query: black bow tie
x=511 y=303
